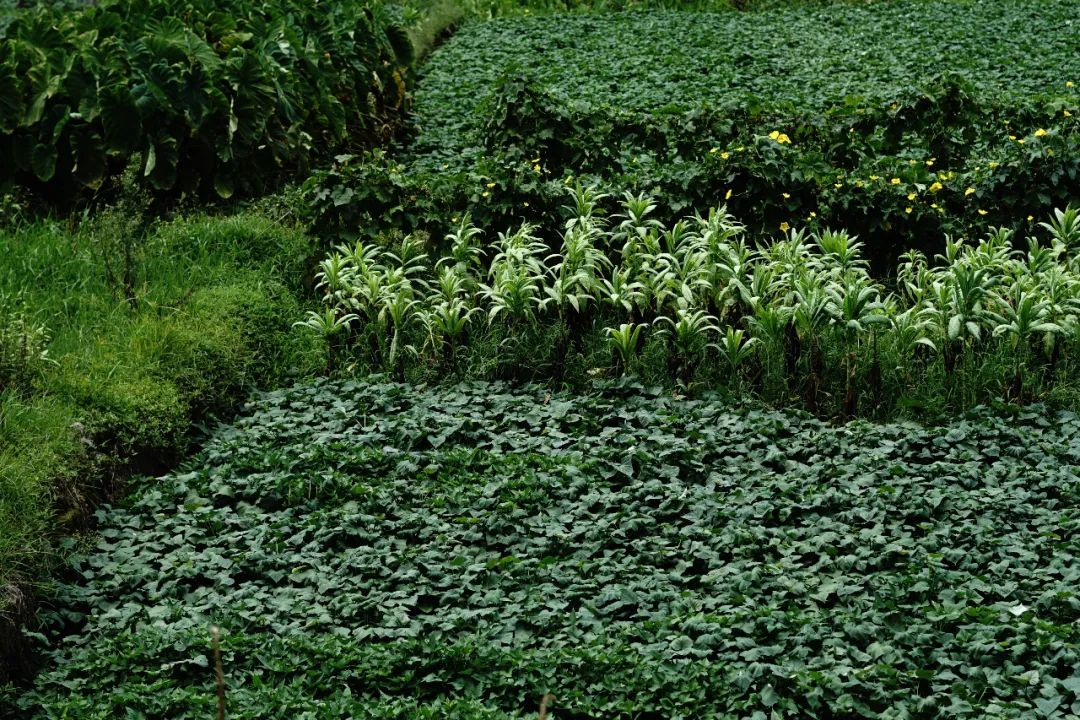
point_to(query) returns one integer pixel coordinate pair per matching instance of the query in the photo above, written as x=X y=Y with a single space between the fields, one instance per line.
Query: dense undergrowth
x=145 y=334
x=841 y=115
x=209 y=97
x=457 y=552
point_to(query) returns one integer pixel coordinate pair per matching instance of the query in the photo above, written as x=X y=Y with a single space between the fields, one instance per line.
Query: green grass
x=213 y=303
x=379 y=550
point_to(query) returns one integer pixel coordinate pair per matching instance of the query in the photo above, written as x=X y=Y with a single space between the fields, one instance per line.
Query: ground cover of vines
x=891 y=119
x=381 y=550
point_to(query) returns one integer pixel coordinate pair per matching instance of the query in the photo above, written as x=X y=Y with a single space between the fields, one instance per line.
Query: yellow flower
x=912 y=162
x=982 y=212
x=993 y=165
x=907 y=210
x=934 y=205
x=774 y=134
x=712 y=151
x=911 y=196
x=969 y=191
x=783 y=139
x=895 y=181
x=838 y=185
x=873 y=177
x=930 y=162
x=1030 y=218
x=1068 y=83
x=1012 y=137
x=725 y=155
x=1040 y=133
x=784 y=227
x=859 y=183
x=536 y=168
x=936 y=187
x=1066 y=113
x=484 y=194
x=740 y=148
x=727 y=196
x=1020 y=141
x=490 y=185
x=526 y=203
x=787 y=196
x=813 y=214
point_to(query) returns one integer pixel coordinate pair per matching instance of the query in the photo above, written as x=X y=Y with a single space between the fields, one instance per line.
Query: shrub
x=208 y=97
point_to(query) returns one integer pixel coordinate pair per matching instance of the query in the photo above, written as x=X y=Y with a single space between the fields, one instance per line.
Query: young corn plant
x=688 y=335
x=736 y=347
x=634 y=226
x=621 y=292
x=624 y=342
x=516 y=274
x=397 y=313
x=1064 y=229
x=446 y=324
x=466 y=256
x=858 y=309
x=811 y=313
x=1022 y=320
x=330 y=326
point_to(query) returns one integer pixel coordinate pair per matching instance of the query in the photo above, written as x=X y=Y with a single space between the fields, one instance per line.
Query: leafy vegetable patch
x=377 y=550
x=896 y=120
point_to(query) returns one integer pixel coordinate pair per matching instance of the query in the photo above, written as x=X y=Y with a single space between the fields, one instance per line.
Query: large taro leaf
x=11 y=107
x=160 y=161
x=120 y=120
x=43 y=161
x=90 y=165
x=223 y=182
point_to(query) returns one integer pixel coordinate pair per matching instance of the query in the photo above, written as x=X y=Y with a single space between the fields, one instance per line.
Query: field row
x=694 y=302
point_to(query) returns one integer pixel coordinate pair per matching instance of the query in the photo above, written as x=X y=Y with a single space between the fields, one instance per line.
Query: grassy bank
x=143 y=338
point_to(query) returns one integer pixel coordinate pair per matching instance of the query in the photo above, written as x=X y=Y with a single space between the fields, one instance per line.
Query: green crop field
x=376 y=550
x=557 y=359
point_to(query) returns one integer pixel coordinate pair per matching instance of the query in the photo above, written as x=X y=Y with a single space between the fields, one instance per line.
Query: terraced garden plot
x=796 y=61
x=898 y=121
x=376 y=550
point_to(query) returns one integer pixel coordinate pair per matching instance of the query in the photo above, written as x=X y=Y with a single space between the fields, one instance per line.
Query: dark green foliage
x=208 y=97
x=689 y=107
x=375 y=550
